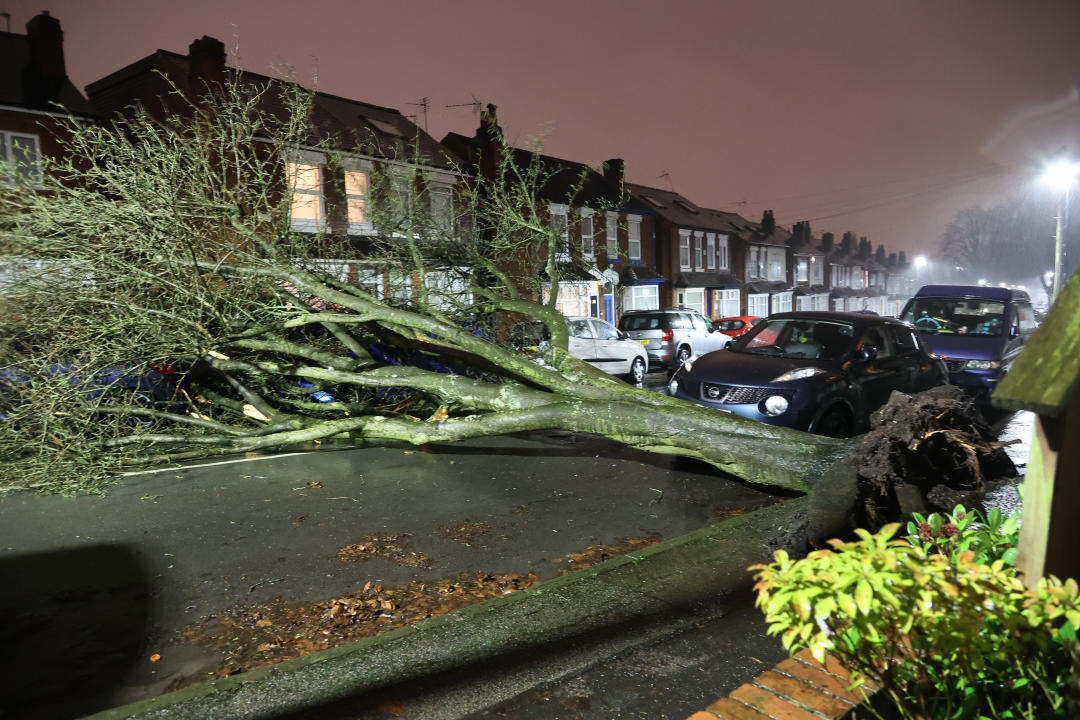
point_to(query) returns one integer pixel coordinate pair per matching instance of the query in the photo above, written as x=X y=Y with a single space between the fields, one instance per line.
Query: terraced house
x=378 y=160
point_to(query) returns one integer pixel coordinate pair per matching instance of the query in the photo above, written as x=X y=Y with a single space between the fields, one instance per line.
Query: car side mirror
x=623 y=335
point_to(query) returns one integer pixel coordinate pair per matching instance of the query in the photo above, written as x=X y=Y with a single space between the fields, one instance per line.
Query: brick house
x=35 y=94
x=768 y=288
x=605 y=241
x=699 y=253
x=331 y=197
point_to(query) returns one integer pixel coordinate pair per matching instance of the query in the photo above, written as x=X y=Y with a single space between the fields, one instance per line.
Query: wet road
x=115 y=580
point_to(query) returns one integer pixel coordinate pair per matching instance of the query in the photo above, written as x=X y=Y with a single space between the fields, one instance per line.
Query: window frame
x=35 y=173
x=633 y=237
x=306 y=158
x=684 y=249
x=611 y=236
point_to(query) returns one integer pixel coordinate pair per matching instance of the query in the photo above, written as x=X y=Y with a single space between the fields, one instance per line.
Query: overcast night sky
x=884 y=118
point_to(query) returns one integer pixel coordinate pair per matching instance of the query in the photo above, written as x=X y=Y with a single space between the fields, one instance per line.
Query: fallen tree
x=161 y=247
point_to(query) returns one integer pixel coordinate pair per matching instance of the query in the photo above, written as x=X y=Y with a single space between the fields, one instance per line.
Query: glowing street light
x=1061 y=174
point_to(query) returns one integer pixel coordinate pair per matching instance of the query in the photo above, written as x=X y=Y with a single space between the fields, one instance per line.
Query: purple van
x=978 y=331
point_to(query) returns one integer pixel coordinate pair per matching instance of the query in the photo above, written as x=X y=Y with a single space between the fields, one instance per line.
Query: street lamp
x=1061 y=175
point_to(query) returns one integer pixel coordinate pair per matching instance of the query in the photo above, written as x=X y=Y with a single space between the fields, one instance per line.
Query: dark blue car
x=978 y=331
x=819 y=371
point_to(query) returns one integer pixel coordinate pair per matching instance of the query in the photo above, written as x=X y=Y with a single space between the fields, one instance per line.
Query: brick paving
x=799 y=688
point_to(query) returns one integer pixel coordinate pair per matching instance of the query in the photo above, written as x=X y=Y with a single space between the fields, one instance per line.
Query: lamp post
x=1061 y=175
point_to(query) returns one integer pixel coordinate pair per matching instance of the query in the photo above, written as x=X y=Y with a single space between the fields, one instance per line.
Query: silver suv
x=673 y=335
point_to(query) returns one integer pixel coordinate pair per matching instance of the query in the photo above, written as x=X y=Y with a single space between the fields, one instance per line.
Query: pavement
x=95 y=588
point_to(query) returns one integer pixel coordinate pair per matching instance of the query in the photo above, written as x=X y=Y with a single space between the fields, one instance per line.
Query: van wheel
x=834 y=423
x=683 y=355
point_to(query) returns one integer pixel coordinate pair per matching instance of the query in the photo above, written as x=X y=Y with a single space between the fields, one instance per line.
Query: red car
x=736 y=326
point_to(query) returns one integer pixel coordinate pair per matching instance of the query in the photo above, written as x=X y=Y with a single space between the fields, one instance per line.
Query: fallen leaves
x=385 y=545
x=466 y=532
x=264 y=634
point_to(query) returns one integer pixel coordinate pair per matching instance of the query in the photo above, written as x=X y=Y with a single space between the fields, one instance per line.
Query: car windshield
x=799 y=338
x=960 y=316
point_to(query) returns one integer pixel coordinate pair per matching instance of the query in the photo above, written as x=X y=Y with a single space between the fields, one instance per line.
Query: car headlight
x=982 y=365
x=775 y=405
x=800 y=374
x=688 y=365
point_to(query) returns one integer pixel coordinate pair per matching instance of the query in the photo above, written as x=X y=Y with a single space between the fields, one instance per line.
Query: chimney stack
x=488 y=143
x=45 y=73
x=206 y=62
x=614 y=170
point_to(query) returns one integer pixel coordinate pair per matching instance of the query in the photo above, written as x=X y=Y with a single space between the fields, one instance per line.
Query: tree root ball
x=926 y=453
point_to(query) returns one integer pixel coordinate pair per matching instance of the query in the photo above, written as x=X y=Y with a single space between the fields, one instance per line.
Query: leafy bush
x=939 y=621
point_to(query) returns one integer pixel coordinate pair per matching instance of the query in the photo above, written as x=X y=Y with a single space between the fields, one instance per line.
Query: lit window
x=633 y=229
x=356 y=194
x=802 y=269
x=308 y=209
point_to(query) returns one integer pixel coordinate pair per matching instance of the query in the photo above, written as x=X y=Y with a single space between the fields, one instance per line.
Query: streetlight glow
x=1061 y=174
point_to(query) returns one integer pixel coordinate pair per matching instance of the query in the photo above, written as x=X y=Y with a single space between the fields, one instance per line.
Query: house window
x=585 y=227
x=817 y=271
x=781 y=302
x=442 y=209
x=447 y=289
x=574 y=297
x=722 y=252
x=611 y=236
x=802 y=269
x=641 y=297
x=757 y=304
x=699 y=251
x=560 y=227
x=777 y=263
x=308 y=208
x=356 y=195
x=728 y=303
x=633 y=229
x=684 y=249
x=22 y=153
x=693 y=298
x=755 y=262
x=710 y=251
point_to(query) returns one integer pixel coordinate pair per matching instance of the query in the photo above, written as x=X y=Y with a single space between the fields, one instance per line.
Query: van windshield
x=960 y=316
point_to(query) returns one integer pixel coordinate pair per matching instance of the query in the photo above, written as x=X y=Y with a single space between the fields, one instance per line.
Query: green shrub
x=940 y=621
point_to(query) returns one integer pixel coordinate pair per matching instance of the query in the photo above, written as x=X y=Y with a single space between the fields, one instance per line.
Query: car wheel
x=637 y=371
x=683 y=355
x=834 y=423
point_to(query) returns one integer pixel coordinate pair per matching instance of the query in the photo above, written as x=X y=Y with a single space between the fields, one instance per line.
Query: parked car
x=607 y=348
x=978 y=331
x=150 y=387
x=819 y=371
x=672 y=336
x=734 y=327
